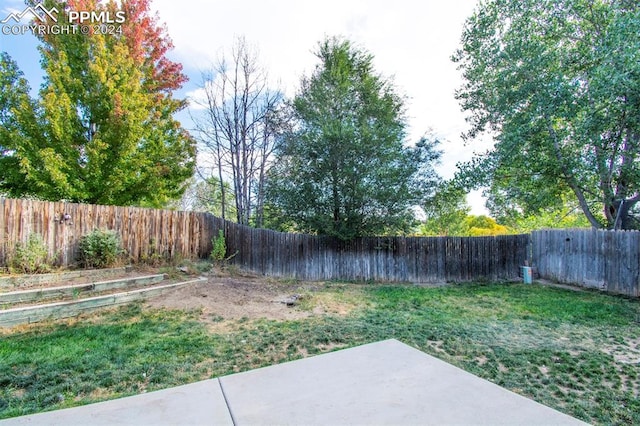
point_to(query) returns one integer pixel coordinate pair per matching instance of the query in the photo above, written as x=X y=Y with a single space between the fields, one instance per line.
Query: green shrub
x=219 y=252
x=100 y=249
x=31 y=257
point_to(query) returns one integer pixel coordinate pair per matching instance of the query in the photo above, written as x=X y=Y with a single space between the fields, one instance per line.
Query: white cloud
x=197 y=99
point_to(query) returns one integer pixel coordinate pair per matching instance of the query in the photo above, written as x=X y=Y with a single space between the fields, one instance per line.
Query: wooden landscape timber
x=36 y=313
x=12 y=282
x=45 y=293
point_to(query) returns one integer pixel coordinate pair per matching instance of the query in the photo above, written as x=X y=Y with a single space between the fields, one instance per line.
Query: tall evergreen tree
x=345 y=171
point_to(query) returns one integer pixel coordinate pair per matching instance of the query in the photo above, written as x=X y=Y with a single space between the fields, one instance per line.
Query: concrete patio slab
x=381 y=383
x=200 y=403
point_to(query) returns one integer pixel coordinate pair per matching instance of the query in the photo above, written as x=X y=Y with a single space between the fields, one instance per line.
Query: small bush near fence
x=31 y=257
x=219 y=251
x=100 y=249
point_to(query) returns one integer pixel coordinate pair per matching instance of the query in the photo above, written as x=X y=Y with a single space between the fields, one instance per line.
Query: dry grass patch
x=574 y=351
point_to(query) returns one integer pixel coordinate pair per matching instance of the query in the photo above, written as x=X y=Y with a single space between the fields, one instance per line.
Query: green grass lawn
x=578 y=352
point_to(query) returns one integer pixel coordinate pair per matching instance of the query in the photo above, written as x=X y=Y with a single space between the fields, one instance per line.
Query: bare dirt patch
x=223 y=298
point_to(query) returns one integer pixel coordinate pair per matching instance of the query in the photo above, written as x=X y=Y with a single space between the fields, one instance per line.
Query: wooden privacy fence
x=145 y=233
x=170 y=234
x=399 y=259
x=606 y=260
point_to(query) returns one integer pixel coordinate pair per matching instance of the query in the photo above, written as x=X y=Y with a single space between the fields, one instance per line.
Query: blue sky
x=23 y=49
x=411 y=41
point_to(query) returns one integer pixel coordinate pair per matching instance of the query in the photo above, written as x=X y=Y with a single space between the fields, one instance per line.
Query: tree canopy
x=557 y=83
x=344 y=170
x=102 y=129
x=446 y=211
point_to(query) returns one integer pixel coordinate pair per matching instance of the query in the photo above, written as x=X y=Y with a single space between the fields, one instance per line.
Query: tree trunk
x=570 y=179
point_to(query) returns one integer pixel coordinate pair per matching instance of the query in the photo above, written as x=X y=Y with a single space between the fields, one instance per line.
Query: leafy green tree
x=16 y=109
x=557 y=82
x=208 y=197
x=447 y=214
x=482 y=226
x=204 y=195
x=563 y=217
x=345 y=170
x=102 y=130
x=467 y=226
x=445 y=211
